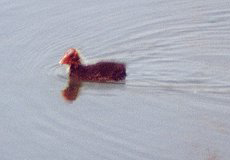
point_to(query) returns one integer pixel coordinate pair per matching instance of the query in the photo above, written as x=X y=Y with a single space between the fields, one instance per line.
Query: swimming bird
x=99 y=72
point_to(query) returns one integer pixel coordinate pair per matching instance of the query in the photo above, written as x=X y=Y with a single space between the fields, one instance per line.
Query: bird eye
x=75 y=58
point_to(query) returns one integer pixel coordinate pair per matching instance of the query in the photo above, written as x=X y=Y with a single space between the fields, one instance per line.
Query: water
x=173 y=105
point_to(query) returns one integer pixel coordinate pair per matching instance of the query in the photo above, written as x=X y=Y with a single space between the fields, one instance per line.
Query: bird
x=103 y=71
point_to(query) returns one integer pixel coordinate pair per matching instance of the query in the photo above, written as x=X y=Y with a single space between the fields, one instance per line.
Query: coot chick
x=98 y=72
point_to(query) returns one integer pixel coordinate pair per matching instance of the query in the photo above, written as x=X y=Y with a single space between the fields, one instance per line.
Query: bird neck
x=73 y=70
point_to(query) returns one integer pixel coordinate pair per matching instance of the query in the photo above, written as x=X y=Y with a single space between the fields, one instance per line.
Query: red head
x=71 y=57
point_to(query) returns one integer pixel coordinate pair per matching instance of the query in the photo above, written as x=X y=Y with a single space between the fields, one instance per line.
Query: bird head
x=71 y=57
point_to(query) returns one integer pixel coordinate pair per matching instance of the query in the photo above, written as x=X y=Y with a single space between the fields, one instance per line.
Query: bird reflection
x=71 y=92
x=101 y=72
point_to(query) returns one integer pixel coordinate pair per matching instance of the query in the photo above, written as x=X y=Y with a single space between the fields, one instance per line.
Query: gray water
x=174 y=104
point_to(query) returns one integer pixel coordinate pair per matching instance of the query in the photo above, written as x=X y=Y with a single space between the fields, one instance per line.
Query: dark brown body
x=99 y=72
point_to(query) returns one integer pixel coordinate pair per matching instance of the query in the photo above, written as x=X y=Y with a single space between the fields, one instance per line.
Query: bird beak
x=62 y=61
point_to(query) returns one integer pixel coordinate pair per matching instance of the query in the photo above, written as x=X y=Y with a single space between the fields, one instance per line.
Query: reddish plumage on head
x=71 y=57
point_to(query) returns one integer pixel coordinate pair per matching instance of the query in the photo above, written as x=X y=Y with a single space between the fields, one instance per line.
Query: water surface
x=173 y=105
